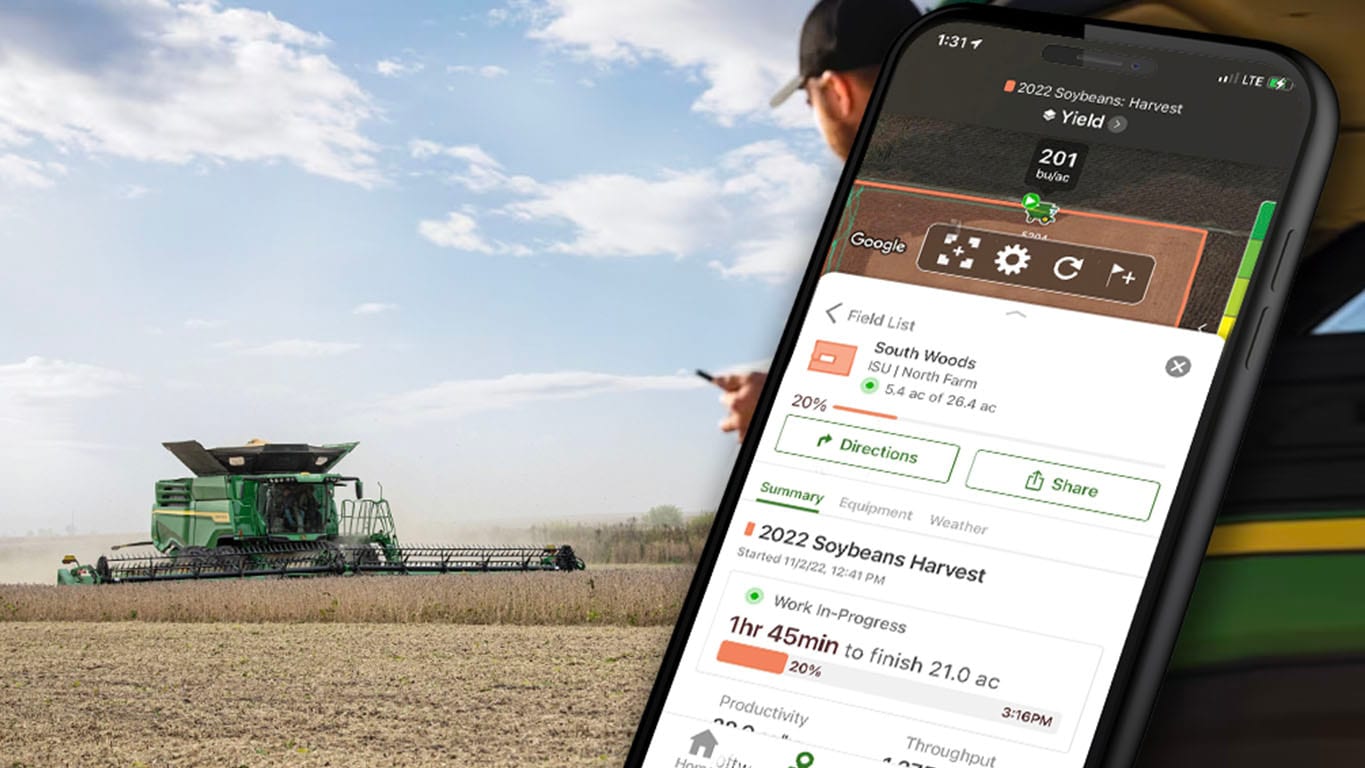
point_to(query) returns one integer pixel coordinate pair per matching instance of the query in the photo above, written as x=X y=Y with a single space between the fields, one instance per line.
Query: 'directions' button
x=872 y=449
x=1063 y=485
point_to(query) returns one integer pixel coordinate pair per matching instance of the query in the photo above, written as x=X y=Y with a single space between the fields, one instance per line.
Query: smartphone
x=966 y=520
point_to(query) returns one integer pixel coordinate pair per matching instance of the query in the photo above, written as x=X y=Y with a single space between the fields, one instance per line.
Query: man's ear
x=837 y=89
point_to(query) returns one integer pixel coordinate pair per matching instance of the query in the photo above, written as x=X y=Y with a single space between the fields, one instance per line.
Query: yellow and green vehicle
x=277 y=509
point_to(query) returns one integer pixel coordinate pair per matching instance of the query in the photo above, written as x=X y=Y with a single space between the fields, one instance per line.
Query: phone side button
x=1255 y=338
x=1288 y=243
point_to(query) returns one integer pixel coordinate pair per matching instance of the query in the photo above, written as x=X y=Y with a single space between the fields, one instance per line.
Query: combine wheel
x=230 y=558
x=193 y=553
x=330 y=554
x=102 y=569
x=366 y=555
x=566 y=560
x=197 y=558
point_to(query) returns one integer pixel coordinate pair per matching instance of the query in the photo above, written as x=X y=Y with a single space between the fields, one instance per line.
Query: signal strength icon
x=1232 y=78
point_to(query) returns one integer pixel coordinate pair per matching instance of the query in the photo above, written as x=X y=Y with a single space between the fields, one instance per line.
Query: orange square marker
x=829 y=357
x=749 y=529
x=1009 y=86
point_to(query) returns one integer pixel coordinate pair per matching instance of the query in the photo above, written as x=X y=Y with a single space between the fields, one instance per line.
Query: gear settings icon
x=1012 y=259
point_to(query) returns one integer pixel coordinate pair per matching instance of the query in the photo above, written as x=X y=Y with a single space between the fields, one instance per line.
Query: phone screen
x=944 y=534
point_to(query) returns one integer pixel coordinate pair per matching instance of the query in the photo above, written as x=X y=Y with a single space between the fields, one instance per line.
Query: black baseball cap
x=843 y=35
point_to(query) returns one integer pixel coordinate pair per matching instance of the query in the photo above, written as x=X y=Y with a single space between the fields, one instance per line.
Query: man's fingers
x=728 y=381
x=739 y=394
x=731 y=424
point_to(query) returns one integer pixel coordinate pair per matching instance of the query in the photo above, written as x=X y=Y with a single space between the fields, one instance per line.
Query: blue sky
x=489 y=241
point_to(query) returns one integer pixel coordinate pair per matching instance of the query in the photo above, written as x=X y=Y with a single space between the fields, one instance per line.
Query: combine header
x=270 y=509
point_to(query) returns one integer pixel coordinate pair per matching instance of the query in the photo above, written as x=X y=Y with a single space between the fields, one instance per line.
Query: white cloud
x=397 y=67
x=373 y=308
x=624 y=215
x=300 y=348
x=453 y=399
x=461 y=232
x=41 y=379
x=743 y=51
x=481 y=173
x=755 y=212
x=422 y=149
x=133 y=191
x=200 y=324
x=177 y=82
x=497 y=15
x=19 y=171
x=490 y=71
x=456 y=230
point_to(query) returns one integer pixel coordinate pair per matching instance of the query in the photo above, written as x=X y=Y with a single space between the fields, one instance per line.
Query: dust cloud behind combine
x=35 y=559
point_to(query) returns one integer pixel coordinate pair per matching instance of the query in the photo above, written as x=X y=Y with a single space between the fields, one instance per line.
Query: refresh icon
x=1067 y=267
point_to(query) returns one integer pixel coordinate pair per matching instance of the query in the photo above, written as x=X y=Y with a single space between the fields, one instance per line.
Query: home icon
x=704 y=744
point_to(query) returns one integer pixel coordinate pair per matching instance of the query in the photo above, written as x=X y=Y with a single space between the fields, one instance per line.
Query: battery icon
x=1279 y=84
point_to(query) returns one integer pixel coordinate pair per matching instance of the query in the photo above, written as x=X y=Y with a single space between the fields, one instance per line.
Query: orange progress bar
x=863 y=412
x=752 y=656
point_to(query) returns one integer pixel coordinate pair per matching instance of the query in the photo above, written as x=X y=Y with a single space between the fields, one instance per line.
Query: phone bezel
x=1180 y=548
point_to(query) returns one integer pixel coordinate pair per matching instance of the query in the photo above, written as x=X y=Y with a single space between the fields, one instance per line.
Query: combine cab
x=274 y=510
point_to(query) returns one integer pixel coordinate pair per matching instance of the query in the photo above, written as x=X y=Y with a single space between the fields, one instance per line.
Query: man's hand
x=740 y=396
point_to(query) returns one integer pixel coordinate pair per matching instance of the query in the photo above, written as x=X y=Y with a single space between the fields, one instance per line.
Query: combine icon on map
x=1037 y=210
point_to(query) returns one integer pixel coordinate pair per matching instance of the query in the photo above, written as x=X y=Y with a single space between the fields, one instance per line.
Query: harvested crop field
x=494 y=670
x=169 y=694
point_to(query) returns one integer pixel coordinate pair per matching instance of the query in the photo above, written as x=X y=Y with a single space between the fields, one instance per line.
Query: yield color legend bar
x=1249 y=256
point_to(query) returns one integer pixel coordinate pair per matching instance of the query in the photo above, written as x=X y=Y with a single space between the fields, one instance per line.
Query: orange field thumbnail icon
x=829 y=357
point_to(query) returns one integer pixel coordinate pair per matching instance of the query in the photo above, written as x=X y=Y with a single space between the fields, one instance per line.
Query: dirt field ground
x=461 y=670
x=170 y=694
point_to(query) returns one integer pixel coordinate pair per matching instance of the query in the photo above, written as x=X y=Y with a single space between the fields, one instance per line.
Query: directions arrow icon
x=823 y=440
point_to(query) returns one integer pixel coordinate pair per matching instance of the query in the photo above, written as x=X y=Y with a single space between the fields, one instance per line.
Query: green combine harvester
x=272 y=509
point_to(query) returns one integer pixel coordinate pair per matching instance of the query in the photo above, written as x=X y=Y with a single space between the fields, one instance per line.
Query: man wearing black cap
x=843 y=44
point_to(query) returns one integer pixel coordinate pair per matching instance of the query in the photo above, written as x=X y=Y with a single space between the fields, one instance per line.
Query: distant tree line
x=664 y=534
